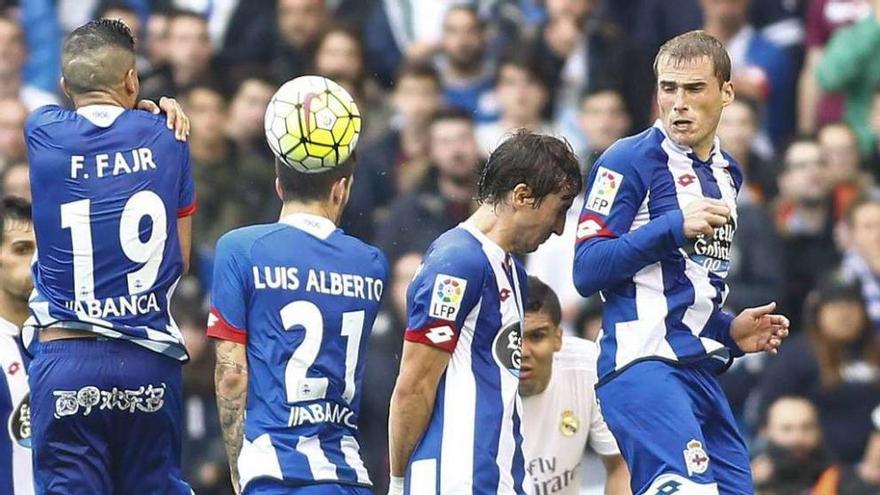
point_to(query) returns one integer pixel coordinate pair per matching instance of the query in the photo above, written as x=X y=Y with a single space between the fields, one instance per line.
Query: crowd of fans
x=440 y=82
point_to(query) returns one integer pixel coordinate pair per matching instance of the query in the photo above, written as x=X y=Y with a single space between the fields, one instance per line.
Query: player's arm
x=412 y=403
x=184 y=234
x=616 y=475
x=227 y=323
x=231 y=383
x=175 y=119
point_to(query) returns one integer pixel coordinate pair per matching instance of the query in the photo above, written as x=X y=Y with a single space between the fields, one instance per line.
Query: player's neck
x=97 y=98
x=313 y=208
x=16 y=312
x=487 y=221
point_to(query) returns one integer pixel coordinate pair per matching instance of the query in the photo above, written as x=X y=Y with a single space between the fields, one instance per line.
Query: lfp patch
x=605 y=188
x=447 y=296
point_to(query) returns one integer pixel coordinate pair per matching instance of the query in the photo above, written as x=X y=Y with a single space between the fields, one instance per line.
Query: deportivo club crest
x=569 y=423
x=19 y=427
x=695 y=458
x=507 y=348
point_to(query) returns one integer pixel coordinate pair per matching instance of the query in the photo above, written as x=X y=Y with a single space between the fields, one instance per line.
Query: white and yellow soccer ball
x=312 y=124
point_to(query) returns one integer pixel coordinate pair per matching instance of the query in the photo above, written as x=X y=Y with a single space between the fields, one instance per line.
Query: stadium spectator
x=12 y=58
x=862 y=478
x=155 y=44
x=582 y=51
x=756 y=269
x=384 y=348
x=862 y=263
x=761 y=69
x=840 y=150
x=804 y=220
x=849 y=65
x=188 y=57
x=247 y=110
x=794 y=456
x=446 y=196
x=299 y=23
x=522 y=97
x=465 y=69
x=835 y=363
x=396 y=162
x=824 y=18
x=12 y=116
x=340 y=56
x=14 y=181
x=738 y=131
x=603 y=119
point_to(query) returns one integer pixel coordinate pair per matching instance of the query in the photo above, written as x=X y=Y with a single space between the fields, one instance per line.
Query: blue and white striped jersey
x=16 y=473
x=467 y=299
x=663 y=293
x=109 y=186
x=302 y=296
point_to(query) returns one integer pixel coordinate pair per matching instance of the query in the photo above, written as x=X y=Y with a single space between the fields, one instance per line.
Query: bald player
x=113 y=194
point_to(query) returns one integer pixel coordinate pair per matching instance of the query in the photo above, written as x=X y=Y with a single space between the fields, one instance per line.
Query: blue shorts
x=266 y=486
x=105 y=419
x=675 y=431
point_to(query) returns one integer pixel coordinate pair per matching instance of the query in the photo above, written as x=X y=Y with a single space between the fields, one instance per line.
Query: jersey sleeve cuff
x=188 y=210
x=219 y=328
x=439 y=334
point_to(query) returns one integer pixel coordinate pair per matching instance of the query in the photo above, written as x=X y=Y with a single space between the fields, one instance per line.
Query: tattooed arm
x=230 y=381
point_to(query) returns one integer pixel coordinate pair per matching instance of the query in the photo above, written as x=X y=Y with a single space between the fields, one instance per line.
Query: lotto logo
x=668 y=488
x=439 y=335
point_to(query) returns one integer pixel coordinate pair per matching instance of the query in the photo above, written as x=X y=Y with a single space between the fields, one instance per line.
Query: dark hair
x=545 y=164
x=87 y=64
x=543 y=299
x=298 y=186
x=695 y=45
x=14 y=209
x=452 y=113
x=418 y=70
x=522 y=58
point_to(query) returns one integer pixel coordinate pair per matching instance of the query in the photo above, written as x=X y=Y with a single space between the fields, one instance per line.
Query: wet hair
x=545 y=164
x=302 y=187
x=97 y=55
x=542 y=299
x=695 y=45
x=14 y=209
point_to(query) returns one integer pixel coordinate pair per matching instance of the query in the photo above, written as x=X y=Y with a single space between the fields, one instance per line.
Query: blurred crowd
x=439 y=83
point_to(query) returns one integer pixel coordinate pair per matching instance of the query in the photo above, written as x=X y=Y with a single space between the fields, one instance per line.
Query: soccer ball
x=312 y=124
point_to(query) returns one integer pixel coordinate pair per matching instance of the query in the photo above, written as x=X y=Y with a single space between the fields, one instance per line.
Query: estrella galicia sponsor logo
x=713 y=253
x=20 y=422
x=507 y=348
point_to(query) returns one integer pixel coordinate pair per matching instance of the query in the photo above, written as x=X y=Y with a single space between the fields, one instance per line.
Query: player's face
x=536 y=224
x=691 y=98
x=541 y=339
x=16 y=252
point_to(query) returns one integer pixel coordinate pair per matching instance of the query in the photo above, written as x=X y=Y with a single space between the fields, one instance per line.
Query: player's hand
x=758 y=329
x=176 y=119
x=702 y=216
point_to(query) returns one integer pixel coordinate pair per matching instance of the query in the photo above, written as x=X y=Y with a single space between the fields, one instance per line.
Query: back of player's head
x=306 y=188
x=545 y=164
x=97 y=56
x=693 y=46
x=542 y=299
x=13 y=209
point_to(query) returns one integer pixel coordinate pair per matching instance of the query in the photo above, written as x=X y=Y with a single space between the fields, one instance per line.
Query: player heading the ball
x=292 y=305
x=112 y=197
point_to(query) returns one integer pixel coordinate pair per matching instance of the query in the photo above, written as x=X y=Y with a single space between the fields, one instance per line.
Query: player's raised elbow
x=584 y=274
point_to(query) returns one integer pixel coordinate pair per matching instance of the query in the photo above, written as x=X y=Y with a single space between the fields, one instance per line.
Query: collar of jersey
x=318 y=226
x=714 y=156
x=101 y=115
x=489 y=245
x=8 y=328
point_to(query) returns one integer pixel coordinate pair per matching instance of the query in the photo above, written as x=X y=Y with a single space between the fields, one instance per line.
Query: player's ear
x=132 y=84
x=278 y=190
x=727 y=93
x=557 y=339
x=521 y=196
x=65 y=89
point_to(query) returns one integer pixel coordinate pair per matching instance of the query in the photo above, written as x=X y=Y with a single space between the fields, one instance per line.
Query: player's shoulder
x=362 y=250
x=634 y=155
x=240 y=241
x=458 y=251
x=47 y=115
x=576 y=354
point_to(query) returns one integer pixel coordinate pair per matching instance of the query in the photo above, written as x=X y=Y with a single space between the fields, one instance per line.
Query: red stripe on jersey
x=438 y=333
x=219 y=328
x=188 y=210
x=590 y=226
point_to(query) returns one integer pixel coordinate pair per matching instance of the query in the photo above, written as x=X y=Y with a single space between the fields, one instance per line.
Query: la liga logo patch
x=446 y=297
